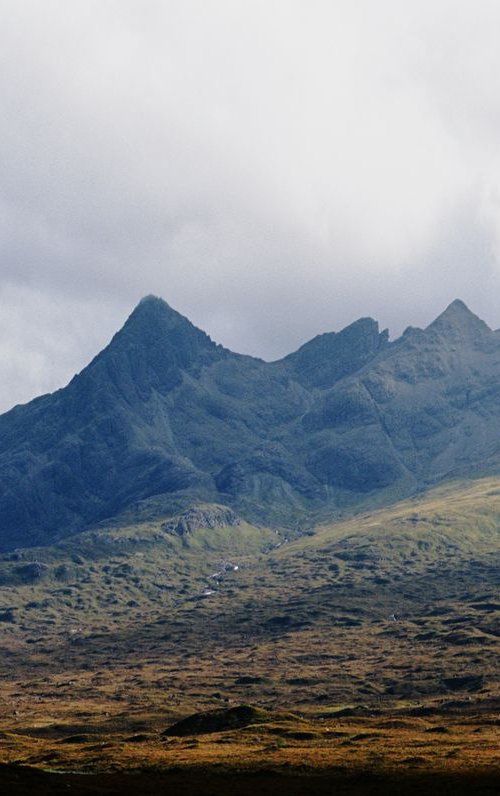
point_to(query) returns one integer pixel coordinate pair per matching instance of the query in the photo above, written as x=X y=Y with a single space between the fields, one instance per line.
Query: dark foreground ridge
x=20 y=781
x=164 y=419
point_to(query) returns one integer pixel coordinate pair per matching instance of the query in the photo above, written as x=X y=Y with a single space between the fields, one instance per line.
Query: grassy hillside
x=114 y=576
x=393 y=616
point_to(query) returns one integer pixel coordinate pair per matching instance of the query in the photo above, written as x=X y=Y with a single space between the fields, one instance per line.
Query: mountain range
x=164 y=419
x=192 y=535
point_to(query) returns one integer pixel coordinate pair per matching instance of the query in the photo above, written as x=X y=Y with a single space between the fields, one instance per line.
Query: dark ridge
x=165 y=417
x=328 y=357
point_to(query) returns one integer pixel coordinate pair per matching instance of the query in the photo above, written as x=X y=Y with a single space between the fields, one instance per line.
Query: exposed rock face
x=164 y=413
x=196 y=518
x=329 y=357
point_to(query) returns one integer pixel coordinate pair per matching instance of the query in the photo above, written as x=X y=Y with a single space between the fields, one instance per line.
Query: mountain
x=164 y=419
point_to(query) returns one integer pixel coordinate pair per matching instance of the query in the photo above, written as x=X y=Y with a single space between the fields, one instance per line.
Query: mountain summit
x=155 y=347
x=457 y=319
x=164 y=418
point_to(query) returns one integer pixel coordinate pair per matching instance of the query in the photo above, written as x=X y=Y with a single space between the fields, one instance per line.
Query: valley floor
x=373 y=644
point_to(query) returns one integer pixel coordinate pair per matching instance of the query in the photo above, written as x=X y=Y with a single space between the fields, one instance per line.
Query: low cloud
x=272 y=169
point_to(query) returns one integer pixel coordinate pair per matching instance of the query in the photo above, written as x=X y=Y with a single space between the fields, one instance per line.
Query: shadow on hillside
x=20 y=781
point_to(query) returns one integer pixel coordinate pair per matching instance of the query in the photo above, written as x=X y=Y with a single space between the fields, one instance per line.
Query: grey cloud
x=272 y=169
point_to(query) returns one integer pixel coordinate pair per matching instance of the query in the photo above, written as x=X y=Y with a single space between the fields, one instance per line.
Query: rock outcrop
x=202 y=517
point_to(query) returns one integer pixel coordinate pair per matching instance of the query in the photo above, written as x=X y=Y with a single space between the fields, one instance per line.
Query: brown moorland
x=367 y=651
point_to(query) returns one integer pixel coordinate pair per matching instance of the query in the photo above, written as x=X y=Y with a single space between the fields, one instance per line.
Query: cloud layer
x=272 y=169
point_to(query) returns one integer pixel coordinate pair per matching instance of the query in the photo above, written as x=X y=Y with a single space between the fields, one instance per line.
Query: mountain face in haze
x=164 y=418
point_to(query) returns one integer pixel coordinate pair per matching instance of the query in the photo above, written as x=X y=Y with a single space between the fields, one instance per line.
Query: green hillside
x=399 y=603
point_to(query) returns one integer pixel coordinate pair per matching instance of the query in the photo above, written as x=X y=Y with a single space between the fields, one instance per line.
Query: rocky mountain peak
x=153 y=315
x=330 y=356
x=458 y=321
x=156 y=343
x=151 y=352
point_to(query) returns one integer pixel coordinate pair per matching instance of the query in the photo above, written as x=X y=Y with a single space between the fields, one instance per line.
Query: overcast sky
x=273 y=169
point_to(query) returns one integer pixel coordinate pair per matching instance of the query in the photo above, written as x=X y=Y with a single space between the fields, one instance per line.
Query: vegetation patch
x=220 y=721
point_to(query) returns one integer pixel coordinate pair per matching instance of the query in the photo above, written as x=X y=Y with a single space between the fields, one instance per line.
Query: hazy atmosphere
x=272 y=169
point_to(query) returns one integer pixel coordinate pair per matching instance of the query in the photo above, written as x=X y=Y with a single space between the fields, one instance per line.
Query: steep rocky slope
x=164 y=419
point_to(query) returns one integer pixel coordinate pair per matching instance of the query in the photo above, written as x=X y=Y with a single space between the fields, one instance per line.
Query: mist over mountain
x=164 y=418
